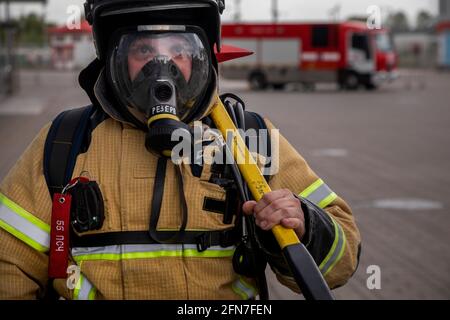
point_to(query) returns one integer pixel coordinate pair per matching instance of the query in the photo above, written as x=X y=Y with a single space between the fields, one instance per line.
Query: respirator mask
x=160 y=74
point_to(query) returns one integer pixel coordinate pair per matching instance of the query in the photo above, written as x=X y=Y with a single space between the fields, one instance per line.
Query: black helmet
x=103 y=16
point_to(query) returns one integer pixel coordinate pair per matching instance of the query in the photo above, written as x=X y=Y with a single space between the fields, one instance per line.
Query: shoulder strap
x=64 y=141
x=255 y=121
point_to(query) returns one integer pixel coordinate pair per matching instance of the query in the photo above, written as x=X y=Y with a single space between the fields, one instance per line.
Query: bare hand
x=277 y=207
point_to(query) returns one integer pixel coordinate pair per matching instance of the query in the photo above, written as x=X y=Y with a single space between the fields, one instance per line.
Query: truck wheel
x=258 y=81
x=279 y=86
x=370 y=86
x=351 y=81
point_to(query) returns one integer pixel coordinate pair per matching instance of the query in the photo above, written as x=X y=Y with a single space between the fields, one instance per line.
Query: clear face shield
x=160 y=70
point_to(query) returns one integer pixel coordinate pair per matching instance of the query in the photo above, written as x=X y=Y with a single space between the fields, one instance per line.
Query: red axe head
x=228 y=52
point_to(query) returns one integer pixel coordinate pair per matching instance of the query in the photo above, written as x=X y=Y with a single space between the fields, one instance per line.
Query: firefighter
x=141 y=226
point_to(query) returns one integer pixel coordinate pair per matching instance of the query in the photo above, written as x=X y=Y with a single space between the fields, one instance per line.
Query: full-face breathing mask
x=161 y=74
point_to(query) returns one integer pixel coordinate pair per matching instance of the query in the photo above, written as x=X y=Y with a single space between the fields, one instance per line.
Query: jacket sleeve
x=25 y=211
x=331 y=237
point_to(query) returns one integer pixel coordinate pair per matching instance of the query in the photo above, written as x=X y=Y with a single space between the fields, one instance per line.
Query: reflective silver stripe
x=119 y=252
x=319 y=194
x=96 y=250
x=131 y=248
x=84 y=290
x=24 y=229
x=244 y=290
x=128 y=248
x=336 y=251
x=162 y=28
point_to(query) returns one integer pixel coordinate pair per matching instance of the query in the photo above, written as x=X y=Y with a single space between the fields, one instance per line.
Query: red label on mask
x=59 y=236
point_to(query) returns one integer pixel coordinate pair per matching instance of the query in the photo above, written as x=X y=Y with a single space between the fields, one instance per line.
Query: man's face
x=145 y=49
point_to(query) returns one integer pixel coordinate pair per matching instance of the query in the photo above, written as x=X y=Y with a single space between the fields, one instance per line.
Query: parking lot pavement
x=41 y=97
x=386 y=152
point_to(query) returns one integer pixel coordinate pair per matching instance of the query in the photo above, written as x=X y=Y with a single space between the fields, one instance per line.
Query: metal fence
x=5 y=67
x=7 y=83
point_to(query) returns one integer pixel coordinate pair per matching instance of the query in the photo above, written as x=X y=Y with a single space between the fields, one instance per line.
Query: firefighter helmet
x=103 y=16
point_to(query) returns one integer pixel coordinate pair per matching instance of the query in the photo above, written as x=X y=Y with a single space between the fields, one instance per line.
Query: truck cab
x=370 y=57
x=385 y=57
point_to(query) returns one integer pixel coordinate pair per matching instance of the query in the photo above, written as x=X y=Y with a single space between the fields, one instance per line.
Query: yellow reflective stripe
x=250 y=287
x=333 y=247
x=24 y=214
x=239 y=292
x=92 y=294
x=341 y=253
x=319 y=194
x=23 y=225
x=325 y=202
x=23 y=237
x=84 y=290
x=96 y=255
x=336 y=251
x=76 y=291
x=243 y=289
x=305 y=193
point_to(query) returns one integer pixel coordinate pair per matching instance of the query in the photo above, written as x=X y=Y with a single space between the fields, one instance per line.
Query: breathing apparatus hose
x=302 y=265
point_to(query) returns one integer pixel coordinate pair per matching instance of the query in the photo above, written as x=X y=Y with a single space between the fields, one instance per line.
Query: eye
x=146 y=50
x=177 y=50
x=142 y=52
x=180 y=51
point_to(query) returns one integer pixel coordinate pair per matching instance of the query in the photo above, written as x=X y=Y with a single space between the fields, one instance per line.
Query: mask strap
x=158 y=192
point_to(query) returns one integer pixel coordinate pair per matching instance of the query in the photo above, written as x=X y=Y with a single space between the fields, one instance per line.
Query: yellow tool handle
x=248 y=167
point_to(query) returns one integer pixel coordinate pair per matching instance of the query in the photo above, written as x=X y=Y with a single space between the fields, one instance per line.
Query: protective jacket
x=125 y=170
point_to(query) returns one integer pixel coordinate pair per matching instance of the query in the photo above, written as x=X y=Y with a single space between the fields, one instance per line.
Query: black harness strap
x=63 y=146
x=256 y=122
x=158 y=193
x=203 y=239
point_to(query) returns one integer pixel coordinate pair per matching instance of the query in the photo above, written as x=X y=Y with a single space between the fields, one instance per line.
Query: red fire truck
x=346 y=53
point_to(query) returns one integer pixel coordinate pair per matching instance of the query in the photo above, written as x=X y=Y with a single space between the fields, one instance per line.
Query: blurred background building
x=443 y=34
x=444 y=10
x=71 y=48
x=16 y=37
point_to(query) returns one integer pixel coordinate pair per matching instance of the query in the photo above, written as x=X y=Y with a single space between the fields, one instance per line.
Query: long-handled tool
x=304 y=269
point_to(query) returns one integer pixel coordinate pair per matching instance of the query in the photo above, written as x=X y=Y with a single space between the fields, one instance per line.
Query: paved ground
x=386 y=152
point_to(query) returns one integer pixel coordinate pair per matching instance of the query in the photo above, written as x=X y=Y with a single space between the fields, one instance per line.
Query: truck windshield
x=383 y=42
x=360 y=41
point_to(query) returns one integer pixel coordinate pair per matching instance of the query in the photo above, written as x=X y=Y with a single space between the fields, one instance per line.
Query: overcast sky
x=260 y=10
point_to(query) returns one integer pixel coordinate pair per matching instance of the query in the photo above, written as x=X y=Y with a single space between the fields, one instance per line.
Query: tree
x=424 y=20
x=31 y=30
x=398 y=22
